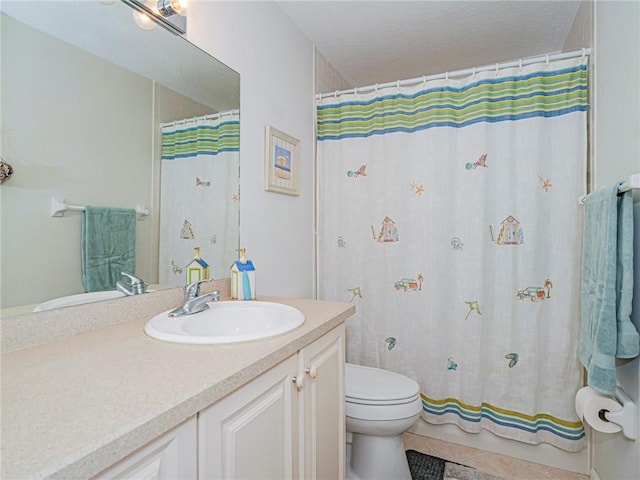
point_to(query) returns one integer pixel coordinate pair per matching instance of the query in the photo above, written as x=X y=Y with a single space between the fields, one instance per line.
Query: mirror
x=84 y=94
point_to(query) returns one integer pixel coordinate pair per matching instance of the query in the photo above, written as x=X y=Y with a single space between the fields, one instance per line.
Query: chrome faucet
x=135 y=285
x=194 y=302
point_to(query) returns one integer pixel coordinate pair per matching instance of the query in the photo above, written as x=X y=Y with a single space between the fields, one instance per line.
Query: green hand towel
x=108 y=246
x=606 y=331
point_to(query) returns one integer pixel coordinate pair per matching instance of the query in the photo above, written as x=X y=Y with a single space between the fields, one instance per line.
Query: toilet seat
x=374 y=386
x=374 y=394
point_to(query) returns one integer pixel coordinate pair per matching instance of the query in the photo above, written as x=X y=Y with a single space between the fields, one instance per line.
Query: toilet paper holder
x=626 y=417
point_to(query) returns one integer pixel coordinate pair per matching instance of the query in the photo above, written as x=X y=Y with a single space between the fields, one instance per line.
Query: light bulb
x=169 y=7
x=179 y=6
x=142 y=19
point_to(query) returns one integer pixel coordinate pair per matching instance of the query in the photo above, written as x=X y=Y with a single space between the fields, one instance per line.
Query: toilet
x=380 y=406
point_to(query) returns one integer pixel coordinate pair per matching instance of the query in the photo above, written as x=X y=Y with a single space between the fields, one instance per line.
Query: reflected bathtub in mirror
x=77 y=299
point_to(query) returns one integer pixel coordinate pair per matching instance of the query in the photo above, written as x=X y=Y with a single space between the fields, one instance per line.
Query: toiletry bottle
x=243 y=278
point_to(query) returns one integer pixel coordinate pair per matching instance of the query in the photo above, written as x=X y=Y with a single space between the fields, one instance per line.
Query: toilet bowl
x=380 y=406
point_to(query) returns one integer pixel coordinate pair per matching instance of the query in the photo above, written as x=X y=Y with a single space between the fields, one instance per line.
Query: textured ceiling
x=371 y=42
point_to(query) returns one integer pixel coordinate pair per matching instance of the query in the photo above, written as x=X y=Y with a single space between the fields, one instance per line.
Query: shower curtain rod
x=458 y=73
x=211 y=116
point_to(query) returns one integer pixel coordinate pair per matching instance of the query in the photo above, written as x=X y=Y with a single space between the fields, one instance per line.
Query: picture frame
x=281 y=162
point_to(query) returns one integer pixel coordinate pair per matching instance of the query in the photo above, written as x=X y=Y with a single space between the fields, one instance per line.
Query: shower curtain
x=448 y=212
x=200 y=168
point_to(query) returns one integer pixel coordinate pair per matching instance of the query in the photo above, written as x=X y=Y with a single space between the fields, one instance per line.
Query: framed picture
x=281 y=163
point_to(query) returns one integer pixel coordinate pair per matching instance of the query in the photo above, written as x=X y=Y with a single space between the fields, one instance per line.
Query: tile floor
x=502 y=466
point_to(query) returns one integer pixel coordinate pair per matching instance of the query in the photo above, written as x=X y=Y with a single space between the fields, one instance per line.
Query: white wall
x=275 y=62
x=616 y=156
x=617 y=91
x=581 y=33
x=327 y=78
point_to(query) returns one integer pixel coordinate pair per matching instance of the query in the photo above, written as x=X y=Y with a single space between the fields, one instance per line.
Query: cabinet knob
x=298 y=381
x=312 y=372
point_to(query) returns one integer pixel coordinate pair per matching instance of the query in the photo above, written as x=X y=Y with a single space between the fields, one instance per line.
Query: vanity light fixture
x=169 y=7
x=147 y=13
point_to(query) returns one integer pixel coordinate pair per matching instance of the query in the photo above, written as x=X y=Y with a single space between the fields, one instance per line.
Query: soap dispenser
x=243 y=278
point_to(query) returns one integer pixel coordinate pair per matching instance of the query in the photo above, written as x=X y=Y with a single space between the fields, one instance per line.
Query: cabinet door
x=322 y=409
x=169 y=457
x=250 y=433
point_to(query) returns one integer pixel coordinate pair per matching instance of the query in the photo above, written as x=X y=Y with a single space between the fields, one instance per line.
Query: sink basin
x=226 y=322
x=77 y=299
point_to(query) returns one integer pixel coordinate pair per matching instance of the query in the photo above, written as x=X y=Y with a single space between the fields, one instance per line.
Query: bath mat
x=426 y=467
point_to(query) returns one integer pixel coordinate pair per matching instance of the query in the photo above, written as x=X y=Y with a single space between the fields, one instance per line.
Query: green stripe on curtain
x=539 y=94
x=201 y=140
x=503 y=417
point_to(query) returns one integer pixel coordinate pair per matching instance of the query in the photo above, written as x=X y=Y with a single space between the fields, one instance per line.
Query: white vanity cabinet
x=171 y=456
x=323 y=416
x=287 y=423
x=250 y=433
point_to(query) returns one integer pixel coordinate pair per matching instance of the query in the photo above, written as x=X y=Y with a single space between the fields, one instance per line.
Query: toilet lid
x=363 y=384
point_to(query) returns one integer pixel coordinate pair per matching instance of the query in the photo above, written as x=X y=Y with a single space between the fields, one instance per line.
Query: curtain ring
x=497 y=68
x=473 y=73
x=520 y=65
x=424 y=81
x=547 y=60
x=398 y=84
x=446 y=76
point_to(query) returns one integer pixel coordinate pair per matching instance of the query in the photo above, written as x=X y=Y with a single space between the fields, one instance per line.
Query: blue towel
x=606 y=331
x=108 y=246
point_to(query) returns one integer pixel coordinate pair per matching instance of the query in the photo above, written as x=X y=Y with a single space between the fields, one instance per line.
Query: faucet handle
x=135 y=285
x=138 y=285
x=133 y=280
x=193 y=289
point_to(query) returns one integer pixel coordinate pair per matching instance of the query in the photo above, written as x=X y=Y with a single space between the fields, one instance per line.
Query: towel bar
x=632 y=184
x=58 y=207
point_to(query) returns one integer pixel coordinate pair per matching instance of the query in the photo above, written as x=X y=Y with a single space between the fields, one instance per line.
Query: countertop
x=76 y=405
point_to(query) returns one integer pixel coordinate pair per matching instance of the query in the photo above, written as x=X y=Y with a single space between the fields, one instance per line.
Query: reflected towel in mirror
x=108 y=246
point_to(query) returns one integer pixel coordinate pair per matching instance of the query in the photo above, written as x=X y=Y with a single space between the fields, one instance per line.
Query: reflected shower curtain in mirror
x=200 y=162
x=448 y=214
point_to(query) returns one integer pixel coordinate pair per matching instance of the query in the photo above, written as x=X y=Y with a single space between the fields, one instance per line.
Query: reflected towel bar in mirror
x=58 y=207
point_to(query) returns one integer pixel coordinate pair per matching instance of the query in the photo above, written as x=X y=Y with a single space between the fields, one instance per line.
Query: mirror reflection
x=99 y=112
